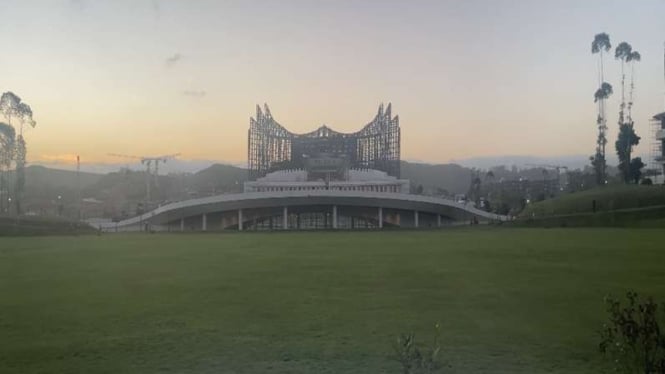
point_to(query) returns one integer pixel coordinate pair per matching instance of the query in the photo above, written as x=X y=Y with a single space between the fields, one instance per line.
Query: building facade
x=659 y=147
x=355 y=180
x=271 y=147
x=319 y=180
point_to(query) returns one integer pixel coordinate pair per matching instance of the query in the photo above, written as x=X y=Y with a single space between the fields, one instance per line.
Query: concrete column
x=285 y=218
x=380 y=217
x=239 y=219
x=182 y=224
x=204 y=222
x=438 y=220
x=334 y=217
x=415 y=218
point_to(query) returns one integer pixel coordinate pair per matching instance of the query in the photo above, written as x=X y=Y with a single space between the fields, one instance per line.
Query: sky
x=468 y=78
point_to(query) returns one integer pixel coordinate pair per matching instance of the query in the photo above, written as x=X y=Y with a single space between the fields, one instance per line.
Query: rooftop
x=355 y=175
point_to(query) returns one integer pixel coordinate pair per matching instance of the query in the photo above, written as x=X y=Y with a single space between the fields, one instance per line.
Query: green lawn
x=607 y=198
x=508 y=300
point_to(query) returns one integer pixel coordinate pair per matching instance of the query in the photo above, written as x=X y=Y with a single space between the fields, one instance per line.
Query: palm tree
x=601 y=43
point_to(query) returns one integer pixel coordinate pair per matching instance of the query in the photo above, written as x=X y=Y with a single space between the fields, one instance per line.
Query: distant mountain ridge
x=522 y=161
x=453 y=178
x=217 y=178
x=124 y=189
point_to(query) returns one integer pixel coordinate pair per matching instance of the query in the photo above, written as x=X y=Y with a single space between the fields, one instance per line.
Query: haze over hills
x=193 y=166
x=121 y=190
x=521 y=161
x=184 y=178
x=171 y=166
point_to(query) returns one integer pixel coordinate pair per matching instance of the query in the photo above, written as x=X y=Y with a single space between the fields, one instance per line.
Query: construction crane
x=151 y=168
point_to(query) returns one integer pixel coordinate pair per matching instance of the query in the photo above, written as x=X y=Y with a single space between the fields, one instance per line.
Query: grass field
x=607 y=198
x=509 y=300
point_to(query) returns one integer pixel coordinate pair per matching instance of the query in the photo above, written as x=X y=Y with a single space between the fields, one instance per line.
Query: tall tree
x=632 y=58
x=13 y=108
x=636 y=166
x=621 y=52
x=25 y=117
x=9 y=106
x=626 y=140
x=603 y=92
x=7 y=144
x=601 y=43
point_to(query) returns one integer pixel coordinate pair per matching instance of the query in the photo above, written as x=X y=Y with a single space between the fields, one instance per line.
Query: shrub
x=417 y=358
x=632 y=338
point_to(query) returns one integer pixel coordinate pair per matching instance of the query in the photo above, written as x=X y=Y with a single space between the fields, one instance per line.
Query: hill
x=615 y=206
x=607 y=199
x=36 y=175
x=119 y=193
x=219 y=178
x=450 y=177
x=55 y=192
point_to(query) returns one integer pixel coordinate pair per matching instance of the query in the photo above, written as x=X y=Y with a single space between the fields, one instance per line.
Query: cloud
x=172 y=60
x=194 y=93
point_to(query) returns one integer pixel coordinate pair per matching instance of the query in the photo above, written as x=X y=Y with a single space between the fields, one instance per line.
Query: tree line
x=13 y=149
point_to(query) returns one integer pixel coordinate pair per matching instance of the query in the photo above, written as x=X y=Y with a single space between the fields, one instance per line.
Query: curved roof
x=251 y=200
x=324 y=131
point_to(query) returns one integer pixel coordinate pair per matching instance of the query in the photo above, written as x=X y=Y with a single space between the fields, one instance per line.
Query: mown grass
x=607 y=199
x=31 y=226
x=635 y=218
x=508 y=300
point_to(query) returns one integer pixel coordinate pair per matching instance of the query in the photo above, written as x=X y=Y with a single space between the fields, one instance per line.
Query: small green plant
x=632 y=338
x=416 y=358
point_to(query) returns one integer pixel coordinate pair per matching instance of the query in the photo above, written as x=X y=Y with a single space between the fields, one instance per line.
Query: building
x=272 y=147
x=319 y=180
x=658 y=148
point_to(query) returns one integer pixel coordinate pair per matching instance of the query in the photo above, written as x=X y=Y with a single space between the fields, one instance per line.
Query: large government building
x=324 y=159
x=322 y=179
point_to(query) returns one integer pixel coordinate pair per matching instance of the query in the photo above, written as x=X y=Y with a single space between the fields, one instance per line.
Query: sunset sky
x=467 y=78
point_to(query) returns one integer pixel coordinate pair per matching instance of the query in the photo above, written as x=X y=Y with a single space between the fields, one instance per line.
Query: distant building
x=339 y=180
x=658 y=149
x=324 y=159
x=272 y=147
x=323 y=179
